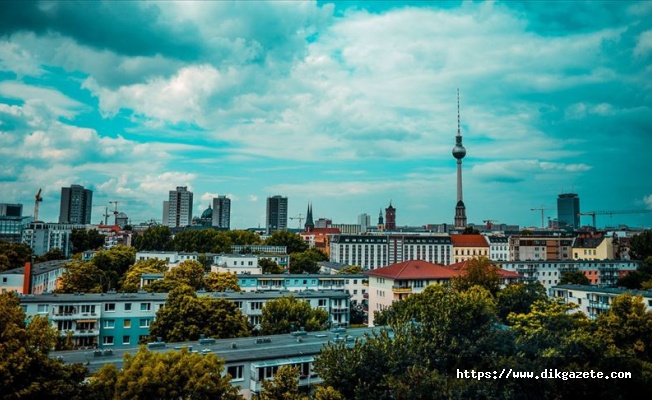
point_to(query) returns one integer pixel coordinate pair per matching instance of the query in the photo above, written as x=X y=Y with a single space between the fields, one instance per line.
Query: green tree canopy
x=352 y=269
x=171 y=375
x=186 y=316
x=268 y=266
x=26 y=370
x=640 y=246
x=114 y=263
x=292 y=241
x=15 y=255
x=157 y=238
x=478 y=271
x=306 y=261
x=221 y=282
x=284 y=386
x=81 y=277
x=131 y=281
x=574 y=278
x=83 y=240
x=286 y=313
x=518 y=298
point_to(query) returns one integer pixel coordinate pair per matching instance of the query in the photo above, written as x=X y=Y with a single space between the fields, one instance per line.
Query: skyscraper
x=568 y=210
x=277 y=214
x=179 y=208
x=222 y=212
x=459 y=152
x=364 y=220
x=76 y=205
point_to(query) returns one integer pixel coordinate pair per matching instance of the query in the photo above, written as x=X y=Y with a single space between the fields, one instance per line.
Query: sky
x=348 y=106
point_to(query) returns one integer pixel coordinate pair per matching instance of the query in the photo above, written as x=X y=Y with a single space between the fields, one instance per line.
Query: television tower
x=459 y=152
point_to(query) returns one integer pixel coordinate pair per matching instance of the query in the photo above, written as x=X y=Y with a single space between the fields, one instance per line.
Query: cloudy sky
x=347 y=105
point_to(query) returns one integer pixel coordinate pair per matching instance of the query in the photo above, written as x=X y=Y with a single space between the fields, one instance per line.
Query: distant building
x=33 y=279
x=12 y=222
x=540 y=247
x=364 y=220
x=593 y=248
x=221 y=212
x=568 y=211
x=466 y=247
x=595 y=301
x=277 y=214
x=390 y=218
x=76 y=205
x=42 y=237
x=179 y=208
x=498 y=247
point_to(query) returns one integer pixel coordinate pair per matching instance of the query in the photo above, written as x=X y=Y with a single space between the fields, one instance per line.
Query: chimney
x=27 y=278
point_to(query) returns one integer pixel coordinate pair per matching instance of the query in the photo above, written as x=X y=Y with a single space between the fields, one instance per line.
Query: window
x=108 y=340
x=235 y=372
x=109 y=307
x=144 y=322
x=355 y=291
x=322 y=303
x=127 y=306
x=127 y=323
x=42 y=308
x=256 y=305
x=109 y=323
x=126 y=340
x=4 y=279
x=145 y=306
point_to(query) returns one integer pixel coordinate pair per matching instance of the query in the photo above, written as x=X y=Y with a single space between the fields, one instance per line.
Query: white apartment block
x=42 y=237
x=548 y=273
x=498 y=247
x=594 y=301
x=377 y=251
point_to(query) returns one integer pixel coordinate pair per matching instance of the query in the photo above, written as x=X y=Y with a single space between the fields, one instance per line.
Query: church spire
x=310 y=224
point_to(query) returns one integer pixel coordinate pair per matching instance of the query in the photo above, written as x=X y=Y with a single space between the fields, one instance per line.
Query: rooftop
x=414 y=269
x=469 y=241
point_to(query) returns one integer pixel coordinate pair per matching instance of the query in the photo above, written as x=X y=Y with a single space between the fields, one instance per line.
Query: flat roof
x=232 y=350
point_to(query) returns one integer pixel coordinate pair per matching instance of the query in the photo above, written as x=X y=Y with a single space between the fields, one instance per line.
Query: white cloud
x=644 y=44
x=648 y=201
x=520 y=170
x=39 y=97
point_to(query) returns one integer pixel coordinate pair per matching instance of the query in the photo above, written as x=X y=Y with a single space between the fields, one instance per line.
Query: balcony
x=86 y=332
x=401 y=289
x=339 y=310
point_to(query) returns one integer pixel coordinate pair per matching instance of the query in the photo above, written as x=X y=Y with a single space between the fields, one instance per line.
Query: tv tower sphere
x=459 y=151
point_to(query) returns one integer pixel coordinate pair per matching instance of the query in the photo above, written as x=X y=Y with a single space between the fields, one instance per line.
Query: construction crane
x=115 y=211
x=299 y=217
x=542 y=209
x=37 y=199
x=489 y=222
x=612 y=212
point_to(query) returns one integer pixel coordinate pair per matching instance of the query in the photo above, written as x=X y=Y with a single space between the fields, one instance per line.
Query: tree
x=518 y=298
x=352 y=269
x=306 y=261
x=190 y=272
x=627 y=327
x=157 y=238
x=356 y=314
x=131 y=281
x=637 y=279
x=574 y=278
x=15 y=255
x=327 y=393
x=478 y=272
x=292 y=241
x=268 y=266
x=81 y=277
x=640 y=246
x=186 y=316
x=83 y=240
x=205 y=261
x=26 y=370
x=286 y=313
x=51 y=255
x=169 y=375
x=221 y=282
x=114 y=263
x=284 y=386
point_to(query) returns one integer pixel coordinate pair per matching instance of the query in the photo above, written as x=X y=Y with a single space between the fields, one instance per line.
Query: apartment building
x=594 y=301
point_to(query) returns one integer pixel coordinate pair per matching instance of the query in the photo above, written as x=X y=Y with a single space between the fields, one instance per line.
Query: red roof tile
x=469 y=241
x=502 y=272
x=414 y=269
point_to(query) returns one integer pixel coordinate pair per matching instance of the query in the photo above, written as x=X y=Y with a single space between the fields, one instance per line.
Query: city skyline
x=346 y=106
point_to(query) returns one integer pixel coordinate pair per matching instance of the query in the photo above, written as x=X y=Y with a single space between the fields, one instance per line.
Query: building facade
x=466 y=247
x=42 y=237
x=12 y=222
x=376 y=251
x=179 y=208
x=277 y=214
x=595 y=301
x=222 y=212
x=536 y=247
x=498 y=247
x=76 y=205
x=568 y=211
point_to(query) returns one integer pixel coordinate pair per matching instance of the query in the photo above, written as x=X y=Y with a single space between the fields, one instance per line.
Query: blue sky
x=348 y=106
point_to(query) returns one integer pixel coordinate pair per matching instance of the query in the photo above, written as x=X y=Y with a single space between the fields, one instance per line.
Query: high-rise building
x=76 y=205
x=12 y=222
x=568 y=210
x=364 y=220
x=459 y=152
x=390 y=218
x=179 y=208
x=277 y=214
x=222 y=212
